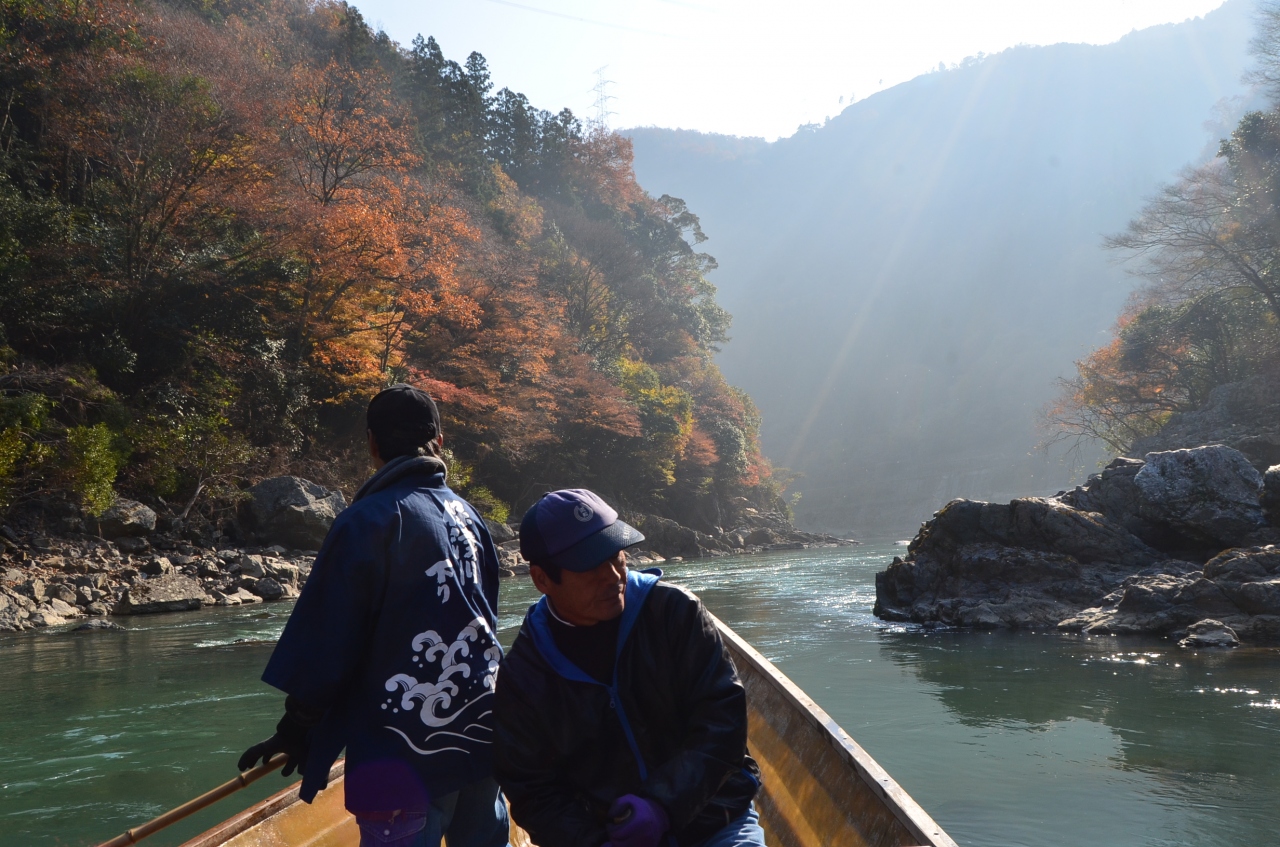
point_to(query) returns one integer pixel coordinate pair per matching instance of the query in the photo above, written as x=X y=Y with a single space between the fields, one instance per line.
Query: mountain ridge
x=945 y=235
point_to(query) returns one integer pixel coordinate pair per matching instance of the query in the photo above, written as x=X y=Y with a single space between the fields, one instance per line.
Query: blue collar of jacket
x=399 y=468
x=639 y=583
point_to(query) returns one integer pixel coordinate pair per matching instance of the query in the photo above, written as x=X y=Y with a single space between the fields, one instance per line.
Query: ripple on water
x=236 y=641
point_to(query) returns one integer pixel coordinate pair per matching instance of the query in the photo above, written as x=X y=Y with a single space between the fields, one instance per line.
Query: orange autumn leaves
x=264 y=211
x=318 y=162
x=378 y=248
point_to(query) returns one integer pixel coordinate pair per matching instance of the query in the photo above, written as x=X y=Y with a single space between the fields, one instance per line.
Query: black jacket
x=672 y=727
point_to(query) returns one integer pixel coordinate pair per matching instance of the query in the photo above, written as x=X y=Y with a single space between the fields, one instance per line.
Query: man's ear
x=540 y=578
x=373 y=446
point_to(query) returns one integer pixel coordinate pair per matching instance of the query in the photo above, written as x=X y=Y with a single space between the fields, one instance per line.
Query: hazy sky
x=744 y=67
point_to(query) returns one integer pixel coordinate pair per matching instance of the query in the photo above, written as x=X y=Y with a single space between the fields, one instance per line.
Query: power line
x=580 y=20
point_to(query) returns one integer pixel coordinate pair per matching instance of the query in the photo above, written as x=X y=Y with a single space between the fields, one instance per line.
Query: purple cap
x=575 y=530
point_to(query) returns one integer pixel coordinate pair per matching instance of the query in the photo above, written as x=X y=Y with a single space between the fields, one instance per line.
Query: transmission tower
x=603 y=97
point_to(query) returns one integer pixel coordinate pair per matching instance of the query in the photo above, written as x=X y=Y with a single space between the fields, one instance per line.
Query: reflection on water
x=1182 y=753
x=1007 y=739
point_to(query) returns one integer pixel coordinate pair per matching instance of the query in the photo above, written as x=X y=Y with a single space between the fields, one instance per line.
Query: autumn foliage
x=1208 y=247
x=228 y=222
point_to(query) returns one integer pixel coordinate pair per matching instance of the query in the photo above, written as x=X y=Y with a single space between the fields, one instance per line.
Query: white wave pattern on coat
x=464 y=666
x=474 y=653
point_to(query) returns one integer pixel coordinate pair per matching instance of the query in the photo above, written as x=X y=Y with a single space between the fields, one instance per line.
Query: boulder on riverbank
x=1138 y=548
x=172 y=593
x=1209 y=633
x=11 y=614
x=127 y=519
x=99 y=624
x=293 y=511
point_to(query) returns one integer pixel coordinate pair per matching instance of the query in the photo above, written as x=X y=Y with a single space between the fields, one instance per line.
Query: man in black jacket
x=620 y=718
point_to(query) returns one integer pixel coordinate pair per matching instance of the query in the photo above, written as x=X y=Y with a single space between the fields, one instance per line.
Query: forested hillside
x=909 y=280
x=1202 y=333
x=225 y=223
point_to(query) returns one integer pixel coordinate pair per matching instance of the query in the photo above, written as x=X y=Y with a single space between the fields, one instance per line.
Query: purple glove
x=637 y=822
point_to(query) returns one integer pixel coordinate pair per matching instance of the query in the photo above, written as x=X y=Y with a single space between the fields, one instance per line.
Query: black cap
x=402 y=419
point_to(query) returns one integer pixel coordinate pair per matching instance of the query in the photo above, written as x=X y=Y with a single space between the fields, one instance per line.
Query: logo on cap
x=583 y=512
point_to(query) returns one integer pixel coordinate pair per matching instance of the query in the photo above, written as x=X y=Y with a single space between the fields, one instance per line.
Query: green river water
x=1006 y=739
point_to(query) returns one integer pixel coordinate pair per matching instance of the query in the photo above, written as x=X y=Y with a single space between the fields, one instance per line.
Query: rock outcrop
x=1271 y=495
x=500 y=532
x=1212 y=494
x=1139 y=548
x=1243 y=415
x=754 y=532
x=11 y=614
x=670 y=539
x=172 y=593
x=127 y=519
x=99 y=624
x=1209 y=633
x=293 y=511
x=267 y=588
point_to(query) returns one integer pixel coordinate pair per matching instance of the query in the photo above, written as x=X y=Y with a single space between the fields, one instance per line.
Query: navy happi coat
x=394 y=635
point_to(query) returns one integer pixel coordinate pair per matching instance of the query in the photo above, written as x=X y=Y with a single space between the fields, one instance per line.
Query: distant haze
x=908 y=280
x=744 y=67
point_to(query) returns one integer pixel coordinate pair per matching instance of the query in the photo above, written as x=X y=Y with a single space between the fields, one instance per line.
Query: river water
x=1005 y=739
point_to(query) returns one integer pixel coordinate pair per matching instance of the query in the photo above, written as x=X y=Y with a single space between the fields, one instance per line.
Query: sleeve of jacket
x=716 y=703
x=328 y=631
x=525 y=762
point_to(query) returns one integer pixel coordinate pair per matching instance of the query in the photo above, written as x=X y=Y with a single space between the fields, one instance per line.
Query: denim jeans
x=742 y=831
x=473 y=816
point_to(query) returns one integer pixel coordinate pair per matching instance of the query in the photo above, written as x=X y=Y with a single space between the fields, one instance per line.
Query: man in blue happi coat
x=390 y=651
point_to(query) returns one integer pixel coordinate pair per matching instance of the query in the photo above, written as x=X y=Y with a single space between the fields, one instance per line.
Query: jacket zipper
x=616 y=704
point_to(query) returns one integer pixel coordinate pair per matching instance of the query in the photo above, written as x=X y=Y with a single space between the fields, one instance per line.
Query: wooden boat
x=820 y=788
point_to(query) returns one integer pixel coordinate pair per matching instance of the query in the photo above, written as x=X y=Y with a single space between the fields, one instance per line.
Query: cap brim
x=593 y=550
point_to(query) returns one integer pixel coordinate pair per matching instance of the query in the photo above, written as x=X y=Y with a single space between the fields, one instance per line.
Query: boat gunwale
x=259 y=812
x=905 y=809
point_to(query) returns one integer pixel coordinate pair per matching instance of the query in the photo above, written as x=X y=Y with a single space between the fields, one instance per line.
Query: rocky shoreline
x=1182 y=544
x=131 y=562
x=60 y=580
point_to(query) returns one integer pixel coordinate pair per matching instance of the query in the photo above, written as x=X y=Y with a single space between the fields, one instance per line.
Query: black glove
x=293 y=738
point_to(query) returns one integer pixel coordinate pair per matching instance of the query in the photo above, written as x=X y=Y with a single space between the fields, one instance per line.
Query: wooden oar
x=226 y=789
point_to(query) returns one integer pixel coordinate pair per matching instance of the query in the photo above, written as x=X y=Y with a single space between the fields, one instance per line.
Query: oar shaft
x=133 y=836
